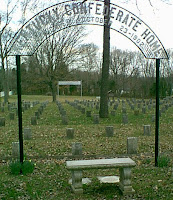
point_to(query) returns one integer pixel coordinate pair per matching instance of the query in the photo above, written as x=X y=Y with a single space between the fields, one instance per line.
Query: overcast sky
x=157 y=16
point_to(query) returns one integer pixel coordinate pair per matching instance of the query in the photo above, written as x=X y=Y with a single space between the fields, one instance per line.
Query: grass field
x=49 y=149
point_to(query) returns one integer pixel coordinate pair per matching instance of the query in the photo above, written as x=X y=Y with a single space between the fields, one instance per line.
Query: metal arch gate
x=67 y=14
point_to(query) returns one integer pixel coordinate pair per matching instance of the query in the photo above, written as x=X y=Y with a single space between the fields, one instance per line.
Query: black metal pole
x=157 y=113
x=19 y=107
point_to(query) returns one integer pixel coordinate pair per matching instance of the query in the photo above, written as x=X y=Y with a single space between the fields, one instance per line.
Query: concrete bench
x=124 y=164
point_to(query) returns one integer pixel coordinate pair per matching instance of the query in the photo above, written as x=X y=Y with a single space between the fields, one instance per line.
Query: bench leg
x=125 y=181
x=77 y=181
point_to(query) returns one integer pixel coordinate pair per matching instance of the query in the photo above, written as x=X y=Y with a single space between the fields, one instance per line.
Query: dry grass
x=49 y=148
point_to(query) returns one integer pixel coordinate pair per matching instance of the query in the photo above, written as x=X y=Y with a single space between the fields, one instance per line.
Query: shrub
x=163 y=161
x=17 y=168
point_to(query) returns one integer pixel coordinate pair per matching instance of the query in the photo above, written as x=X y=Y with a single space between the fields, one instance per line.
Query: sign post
x=19 y=107
x=157 y=113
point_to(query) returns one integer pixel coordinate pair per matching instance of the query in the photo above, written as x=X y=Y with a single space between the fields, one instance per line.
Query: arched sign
x=64 y=15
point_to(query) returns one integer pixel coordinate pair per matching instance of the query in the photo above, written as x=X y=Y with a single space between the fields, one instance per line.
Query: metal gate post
x=19 y=107
x=157 y=113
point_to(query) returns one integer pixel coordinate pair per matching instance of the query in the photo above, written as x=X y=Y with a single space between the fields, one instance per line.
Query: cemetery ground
x=49 y=148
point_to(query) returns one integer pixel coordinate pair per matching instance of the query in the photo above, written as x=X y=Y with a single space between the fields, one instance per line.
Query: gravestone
x=143 y=110
x=149 y=107
x=79 y=107
x=136 y=112
x=153 y=118
x=11 y=115
x=77 y=149
x=166 y=106
x=109 y=131
x=163 y=110
x=26 y=106
x=2 y=121
x=113 y=112
x=132 y=145
x=34 y=120
x=132 y=107
x=37 y=114
x=160 y=112
x=15 y=149
x=70 y=133
x=83 y=110
x=27 y=133
x=147 y=130
x=115 y=107
x=97 y=107
x=15 y=110
x=9 y=107
x=64 y=120
x=63 y=112
x=124 y=119
x=96 y=119
x=124 y=110
x=2 y=109
x=88 y=113
x=40 y=110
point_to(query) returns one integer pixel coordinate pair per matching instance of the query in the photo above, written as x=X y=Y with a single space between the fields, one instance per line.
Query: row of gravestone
x=132 y=144
x=14 y=111
x=63 y=113
x=27 y=105
x=132 y=147
x=83 y=105
x=133 y=103
x=27 y=133
x=38 y=113
x=12 y=107
x=80 y=105
x=163 y=108
x=109 y=131
x=164 y=104
x=83 y=110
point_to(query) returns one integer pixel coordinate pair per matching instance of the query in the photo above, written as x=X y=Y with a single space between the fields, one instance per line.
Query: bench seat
x=124 y=164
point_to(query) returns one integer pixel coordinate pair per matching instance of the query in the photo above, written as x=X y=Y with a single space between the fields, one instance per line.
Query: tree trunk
x=5 y=82
x=105 y=66
x=6 y=89
x=54 y=91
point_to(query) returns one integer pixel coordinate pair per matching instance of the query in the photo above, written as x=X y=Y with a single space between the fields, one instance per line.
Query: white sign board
x=69 y=83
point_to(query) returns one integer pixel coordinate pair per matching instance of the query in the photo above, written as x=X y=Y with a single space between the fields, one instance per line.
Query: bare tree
x=88 y=56
x=5 y=36
x=88 y=62
x=6 y=33
x=57 y=53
